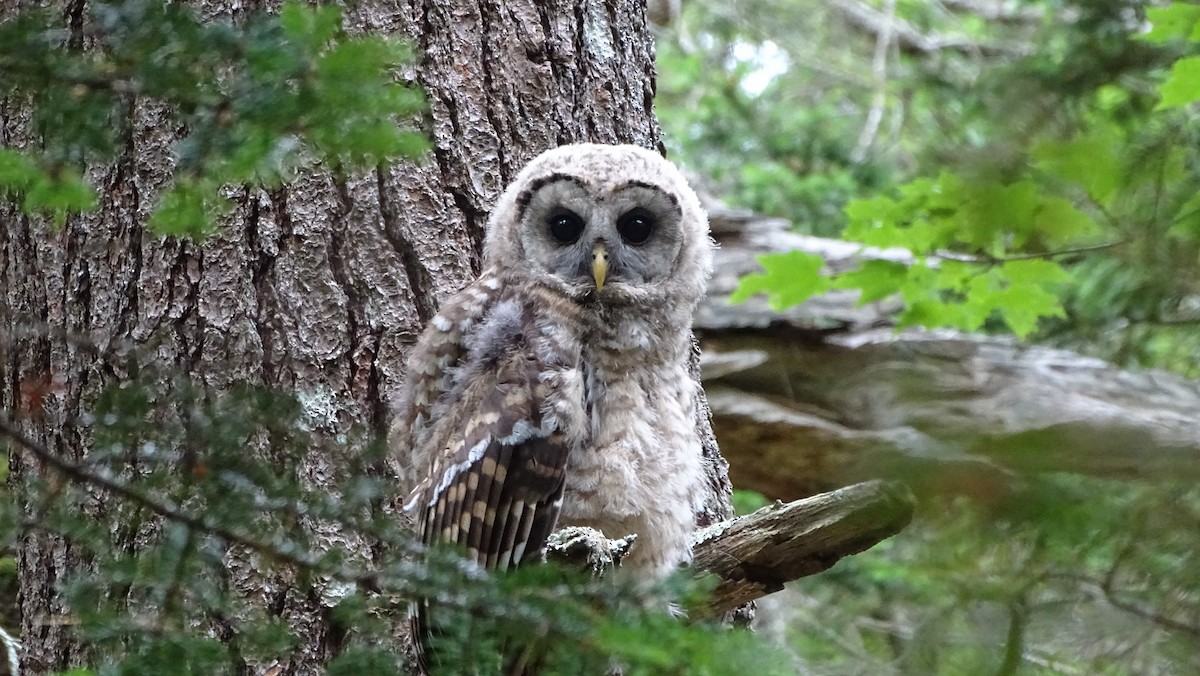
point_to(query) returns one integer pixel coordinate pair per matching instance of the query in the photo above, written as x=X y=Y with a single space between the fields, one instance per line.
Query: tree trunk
x=316 y=289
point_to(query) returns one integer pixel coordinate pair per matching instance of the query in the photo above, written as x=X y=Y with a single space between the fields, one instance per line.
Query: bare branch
x=755 y=555
x=1103 y=589
x=1001 y=12
x=883 y=44
x=984 y=259
x=80 y=475
x=909 y=39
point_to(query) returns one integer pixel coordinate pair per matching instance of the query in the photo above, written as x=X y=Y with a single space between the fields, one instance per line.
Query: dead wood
x=755 y=555
x=828 y=392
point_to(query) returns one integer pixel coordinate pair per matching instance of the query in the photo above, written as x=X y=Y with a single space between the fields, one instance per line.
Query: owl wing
x=478 y=427
x=429 y=374
x=496 y=479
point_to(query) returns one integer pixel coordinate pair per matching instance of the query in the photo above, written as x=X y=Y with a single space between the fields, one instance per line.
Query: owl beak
x=599 y=265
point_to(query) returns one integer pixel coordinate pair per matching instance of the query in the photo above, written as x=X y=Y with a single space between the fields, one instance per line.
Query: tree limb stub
x=756 y=554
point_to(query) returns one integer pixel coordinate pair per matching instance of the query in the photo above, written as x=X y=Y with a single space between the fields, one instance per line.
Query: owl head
x=605 y=224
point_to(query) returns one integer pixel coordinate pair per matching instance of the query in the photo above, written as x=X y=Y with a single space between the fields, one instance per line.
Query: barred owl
x=555 y=391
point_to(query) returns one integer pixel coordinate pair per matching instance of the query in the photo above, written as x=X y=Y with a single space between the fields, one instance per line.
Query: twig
x=1104 y=590
x=997 y=12
x=167 y=511
x=883 y=43
x=1173 y=321
x=368 y=578
x=912 y=41
x=992 y=260
x=752 y=555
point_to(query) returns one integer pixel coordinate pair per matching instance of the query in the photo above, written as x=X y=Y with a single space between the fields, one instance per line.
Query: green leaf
x=1112 y=98
x=59 y=195
x=874 y=232
x=1020 y=292
x=258 y=98
x=964 y=295
x=789 y=279
x=1092 y=160
x=925 y=302
x=875 y=279
x=930 y=312
x=874 y=220
x=1182 y=86
x=57 y=192
x=188 y=209
x=1022 y=305
x=1177 y=20
x=1033 y=271
x=1059 y=223
x=17 y=171
x=312 y=27
x=868 y=211
x=996 y=211
x=1186 y=222
x=954 y=275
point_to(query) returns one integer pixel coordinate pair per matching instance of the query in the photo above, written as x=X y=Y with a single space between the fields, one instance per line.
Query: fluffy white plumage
x=555 y=390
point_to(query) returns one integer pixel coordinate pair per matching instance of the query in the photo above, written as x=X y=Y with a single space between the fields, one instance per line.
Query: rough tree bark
x=318 y=288
x=757 y=554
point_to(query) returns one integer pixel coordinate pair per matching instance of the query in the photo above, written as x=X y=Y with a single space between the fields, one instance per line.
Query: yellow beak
x=599 y=265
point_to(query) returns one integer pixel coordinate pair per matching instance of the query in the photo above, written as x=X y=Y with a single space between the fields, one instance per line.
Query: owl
x=554 y=390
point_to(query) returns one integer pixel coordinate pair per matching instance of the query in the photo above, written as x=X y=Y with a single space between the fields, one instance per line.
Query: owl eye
x=565 y=226
x=635 y=226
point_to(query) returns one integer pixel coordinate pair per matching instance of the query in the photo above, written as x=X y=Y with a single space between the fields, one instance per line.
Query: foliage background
x=1041 y=159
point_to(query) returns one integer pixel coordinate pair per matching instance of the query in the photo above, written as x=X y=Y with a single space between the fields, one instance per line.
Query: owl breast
x=639 y=469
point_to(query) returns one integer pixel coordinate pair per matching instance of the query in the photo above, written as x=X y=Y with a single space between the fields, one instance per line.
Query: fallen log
x=829 y=392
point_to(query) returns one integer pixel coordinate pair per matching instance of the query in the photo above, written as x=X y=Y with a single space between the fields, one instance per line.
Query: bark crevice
x=307 y=280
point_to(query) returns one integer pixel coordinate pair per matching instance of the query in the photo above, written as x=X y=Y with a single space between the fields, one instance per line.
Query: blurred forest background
x=1038 y=158
x=843 y=116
